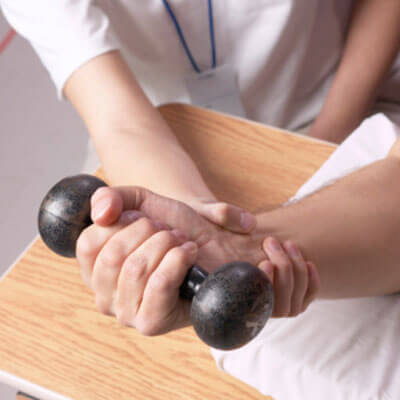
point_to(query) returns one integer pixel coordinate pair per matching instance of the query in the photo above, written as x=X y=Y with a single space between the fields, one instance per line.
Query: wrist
x=248 y=247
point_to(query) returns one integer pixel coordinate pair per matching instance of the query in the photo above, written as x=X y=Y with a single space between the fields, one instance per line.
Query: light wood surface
x=51 y=333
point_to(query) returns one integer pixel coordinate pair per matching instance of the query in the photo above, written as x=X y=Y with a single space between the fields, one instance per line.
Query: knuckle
x=103 y=305
x=135 y=267
x=147 y=226
x=85 y=246
x=166 y=237
x=160 y=282
x=123 y=317
x=112 y=255
x=147 y=327
x=178 y=255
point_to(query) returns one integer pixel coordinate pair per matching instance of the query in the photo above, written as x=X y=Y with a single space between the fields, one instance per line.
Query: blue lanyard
x=182 y=38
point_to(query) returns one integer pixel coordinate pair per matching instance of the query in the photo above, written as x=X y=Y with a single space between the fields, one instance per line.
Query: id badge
x=216 y=89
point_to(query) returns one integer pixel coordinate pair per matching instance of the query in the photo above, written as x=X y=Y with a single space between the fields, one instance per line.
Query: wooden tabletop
x=51 y=333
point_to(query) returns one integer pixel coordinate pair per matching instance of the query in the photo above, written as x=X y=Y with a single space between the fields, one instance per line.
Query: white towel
x=338 y=349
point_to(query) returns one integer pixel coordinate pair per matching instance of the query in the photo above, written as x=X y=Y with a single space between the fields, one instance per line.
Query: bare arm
x=372 y=43
x=135 y=144
x=350 y=230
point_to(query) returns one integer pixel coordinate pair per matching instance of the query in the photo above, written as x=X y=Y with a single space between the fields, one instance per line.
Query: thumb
x=107 y=203
x=227 y=216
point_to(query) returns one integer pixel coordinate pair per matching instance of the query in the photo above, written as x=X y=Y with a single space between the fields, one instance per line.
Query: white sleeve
x=64 y=33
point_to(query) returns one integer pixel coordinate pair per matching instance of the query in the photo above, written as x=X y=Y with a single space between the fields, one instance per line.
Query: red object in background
x=5 y=42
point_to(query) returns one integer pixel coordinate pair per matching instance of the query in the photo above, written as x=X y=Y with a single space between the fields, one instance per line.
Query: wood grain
x=53 y=336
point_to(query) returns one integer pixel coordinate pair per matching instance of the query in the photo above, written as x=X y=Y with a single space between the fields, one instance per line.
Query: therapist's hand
x=225 y=215
x=295 y=280
x=136 y=265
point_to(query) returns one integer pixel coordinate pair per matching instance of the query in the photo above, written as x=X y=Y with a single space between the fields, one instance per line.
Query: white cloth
x=338 y=349
x=285 y=51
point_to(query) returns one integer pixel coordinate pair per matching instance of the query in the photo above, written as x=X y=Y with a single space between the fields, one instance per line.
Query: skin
x=350 y=230
x=354 y=242
x=373 y=25
x=127 y=130
x=134 y=259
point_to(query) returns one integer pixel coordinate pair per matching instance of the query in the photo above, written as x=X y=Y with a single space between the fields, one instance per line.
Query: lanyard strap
x=182 y=38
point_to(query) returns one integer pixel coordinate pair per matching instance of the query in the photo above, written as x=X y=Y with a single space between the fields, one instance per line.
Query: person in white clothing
x=296 y=62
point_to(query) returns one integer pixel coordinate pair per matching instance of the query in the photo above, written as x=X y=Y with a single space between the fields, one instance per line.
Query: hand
x=225 y=215
x=137 y=272
x=136 y=264
x=295 y=280
x=107 y=204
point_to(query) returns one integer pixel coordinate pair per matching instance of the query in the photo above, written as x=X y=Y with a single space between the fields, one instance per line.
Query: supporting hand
x=128 y=263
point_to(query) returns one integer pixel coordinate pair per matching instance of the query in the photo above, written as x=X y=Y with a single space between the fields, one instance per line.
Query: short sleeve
x=64 y=33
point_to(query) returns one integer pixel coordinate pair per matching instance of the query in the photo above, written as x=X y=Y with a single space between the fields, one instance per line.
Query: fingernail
x=100 y=208
x=191 y=247
x=96 y=194
x=274 y=245
x=246 y=221
x=129 y=216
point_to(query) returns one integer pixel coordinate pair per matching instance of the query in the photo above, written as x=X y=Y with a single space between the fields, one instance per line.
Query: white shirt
x=285 y=51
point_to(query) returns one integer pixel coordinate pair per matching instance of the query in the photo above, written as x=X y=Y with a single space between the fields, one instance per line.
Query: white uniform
x=285 y=51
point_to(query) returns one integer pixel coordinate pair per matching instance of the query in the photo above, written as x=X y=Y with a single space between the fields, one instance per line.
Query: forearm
x=134 y=143
x=350 y=230
x=372 y=43
x=157 y=163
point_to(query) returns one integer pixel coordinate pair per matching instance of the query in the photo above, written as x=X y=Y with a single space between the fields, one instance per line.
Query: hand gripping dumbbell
x=229 y=306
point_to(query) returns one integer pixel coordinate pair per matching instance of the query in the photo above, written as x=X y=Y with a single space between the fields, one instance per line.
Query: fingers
x=283 y=277
x=106 y=206
x=300 y=277
x=136 y=271
x=111 y=256
x=227 y=216
x=93 y=238
x=161 y=307
x=268 y=268
x=296 y=281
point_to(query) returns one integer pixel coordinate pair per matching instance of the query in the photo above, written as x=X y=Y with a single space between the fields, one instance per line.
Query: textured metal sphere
x=232 y=305
x=65 y=212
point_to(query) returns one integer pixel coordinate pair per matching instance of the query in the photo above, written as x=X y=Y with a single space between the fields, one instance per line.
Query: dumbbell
x=229 y=306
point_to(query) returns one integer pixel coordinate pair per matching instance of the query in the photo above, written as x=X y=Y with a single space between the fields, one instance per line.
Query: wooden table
x=51 y=335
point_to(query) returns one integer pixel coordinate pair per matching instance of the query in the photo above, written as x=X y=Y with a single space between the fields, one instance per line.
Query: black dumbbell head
x=232 y=305
x=65 y=212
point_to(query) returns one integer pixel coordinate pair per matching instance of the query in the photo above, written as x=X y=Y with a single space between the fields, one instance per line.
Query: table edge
x=30 y=388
